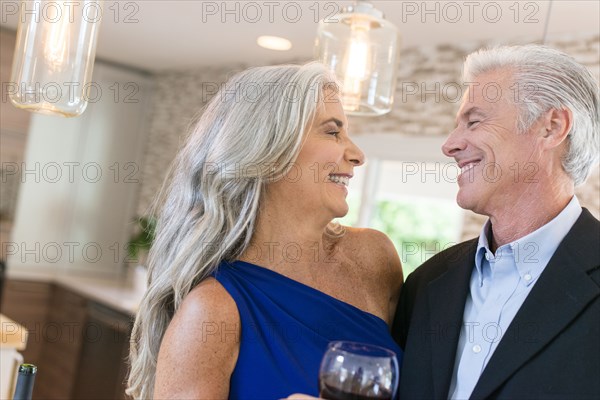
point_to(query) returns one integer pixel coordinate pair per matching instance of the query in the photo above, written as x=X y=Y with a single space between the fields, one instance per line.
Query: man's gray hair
x=544 y=78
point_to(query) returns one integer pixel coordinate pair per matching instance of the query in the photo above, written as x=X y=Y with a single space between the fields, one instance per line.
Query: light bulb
x=361 y=47
x=54 y=56
x=357 y=63
x=57 y=38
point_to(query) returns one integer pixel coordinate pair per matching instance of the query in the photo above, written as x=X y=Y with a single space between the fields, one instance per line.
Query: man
x=514 y=314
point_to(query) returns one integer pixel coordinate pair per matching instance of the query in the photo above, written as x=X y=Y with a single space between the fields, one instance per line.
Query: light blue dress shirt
x=499 y=285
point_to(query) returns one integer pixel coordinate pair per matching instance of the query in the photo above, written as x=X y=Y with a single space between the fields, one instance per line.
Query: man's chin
x=465 y=201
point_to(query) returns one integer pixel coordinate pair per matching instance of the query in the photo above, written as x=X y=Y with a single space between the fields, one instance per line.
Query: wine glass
x=358 y=371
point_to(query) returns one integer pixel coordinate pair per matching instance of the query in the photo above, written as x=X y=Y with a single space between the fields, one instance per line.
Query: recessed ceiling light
x=274 y=43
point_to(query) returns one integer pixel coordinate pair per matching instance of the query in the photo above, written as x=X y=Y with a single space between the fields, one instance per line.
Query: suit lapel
x=447 y=296
x=563 y=290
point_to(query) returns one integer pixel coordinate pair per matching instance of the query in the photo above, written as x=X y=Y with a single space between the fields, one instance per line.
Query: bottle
x=25 y=382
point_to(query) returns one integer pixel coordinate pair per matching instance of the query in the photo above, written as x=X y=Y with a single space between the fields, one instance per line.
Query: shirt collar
x=533 y=251
x=483 y=248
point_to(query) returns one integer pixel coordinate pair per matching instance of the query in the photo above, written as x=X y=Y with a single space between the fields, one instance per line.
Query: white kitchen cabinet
x=80 y=179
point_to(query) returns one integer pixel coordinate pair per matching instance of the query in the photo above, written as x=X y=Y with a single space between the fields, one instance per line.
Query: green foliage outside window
x=419 y=228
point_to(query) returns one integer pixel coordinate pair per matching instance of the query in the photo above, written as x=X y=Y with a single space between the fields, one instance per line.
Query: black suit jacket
x=551 y=350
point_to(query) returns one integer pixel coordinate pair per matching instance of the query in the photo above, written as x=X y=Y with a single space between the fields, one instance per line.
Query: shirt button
x=477 y=349
x=527 y=277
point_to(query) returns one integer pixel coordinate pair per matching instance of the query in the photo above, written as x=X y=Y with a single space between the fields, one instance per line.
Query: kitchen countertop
x=12 y=335
x=118 y=292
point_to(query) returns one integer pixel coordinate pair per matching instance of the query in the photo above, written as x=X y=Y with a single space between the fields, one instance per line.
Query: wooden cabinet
x=64 y=334
x=27 y=303
x=79 y=345
x=109 y=347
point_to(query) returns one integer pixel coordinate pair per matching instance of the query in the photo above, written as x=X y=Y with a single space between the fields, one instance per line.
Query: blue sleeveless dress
x=285 y=329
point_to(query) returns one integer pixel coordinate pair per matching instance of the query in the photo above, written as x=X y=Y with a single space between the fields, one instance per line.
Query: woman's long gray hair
x=249 y=134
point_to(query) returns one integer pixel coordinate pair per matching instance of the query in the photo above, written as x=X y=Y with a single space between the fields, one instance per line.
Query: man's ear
x=557 y=126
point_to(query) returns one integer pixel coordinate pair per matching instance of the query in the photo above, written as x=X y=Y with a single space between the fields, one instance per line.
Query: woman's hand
x=298 y=396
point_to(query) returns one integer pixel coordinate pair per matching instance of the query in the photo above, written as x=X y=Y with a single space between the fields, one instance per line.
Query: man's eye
x=471 y=123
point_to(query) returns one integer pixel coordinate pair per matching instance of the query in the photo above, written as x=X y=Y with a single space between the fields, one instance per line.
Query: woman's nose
x=354 y=154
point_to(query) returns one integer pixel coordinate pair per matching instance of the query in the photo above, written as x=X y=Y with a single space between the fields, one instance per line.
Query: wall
x=14 y=124
x=417 y=111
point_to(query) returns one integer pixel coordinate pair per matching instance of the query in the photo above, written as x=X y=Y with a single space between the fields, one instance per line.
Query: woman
x=249 y=281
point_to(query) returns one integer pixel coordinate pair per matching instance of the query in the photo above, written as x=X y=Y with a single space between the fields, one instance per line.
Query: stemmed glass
x=358 y=371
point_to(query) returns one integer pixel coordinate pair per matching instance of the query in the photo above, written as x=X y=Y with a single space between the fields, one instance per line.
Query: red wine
x=333 y=393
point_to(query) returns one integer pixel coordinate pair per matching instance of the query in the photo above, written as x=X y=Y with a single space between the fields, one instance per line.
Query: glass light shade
x=54 y=56
x=361 y=47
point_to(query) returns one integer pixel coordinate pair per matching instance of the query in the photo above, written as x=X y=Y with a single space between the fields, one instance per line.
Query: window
x=412 y=201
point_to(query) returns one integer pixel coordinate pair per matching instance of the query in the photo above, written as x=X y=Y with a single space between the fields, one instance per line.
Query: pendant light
x=362 y=48
x=54 y=56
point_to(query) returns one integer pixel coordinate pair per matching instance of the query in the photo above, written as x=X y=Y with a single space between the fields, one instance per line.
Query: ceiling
x=155 y=35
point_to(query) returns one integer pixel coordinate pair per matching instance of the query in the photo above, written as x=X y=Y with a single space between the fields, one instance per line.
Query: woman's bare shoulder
x=200 y=347
x=209 y=298
x=373 y=248
x=369 y=239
